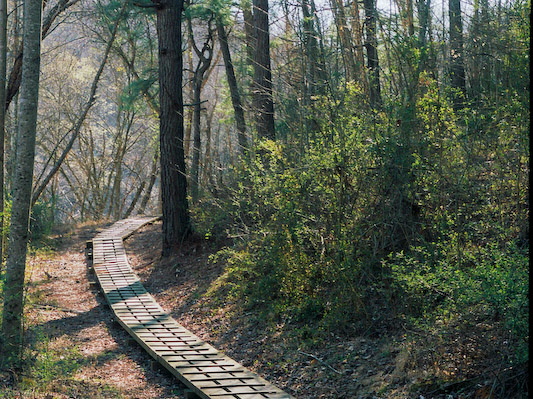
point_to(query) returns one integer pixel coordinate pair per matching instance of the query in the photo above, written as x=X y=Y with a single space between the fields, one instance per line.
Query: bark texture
x=371 y=45
x=12 y=330
x=3 y=72
x=457 y=64
x=175 y=208
x=204 y=58
x=233 y=87
x=263 y=100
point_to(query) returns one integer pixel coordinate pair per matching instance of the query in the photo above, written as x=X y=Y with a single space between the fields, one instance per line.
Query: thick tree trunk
x=262 y=91
x=175 y=207
x=22 y=184
x=372 y=53
x=233 y=87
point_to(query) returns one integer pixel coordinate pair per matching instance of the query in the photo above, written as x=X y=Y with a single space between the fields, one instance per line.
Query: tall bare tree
x=204 y=58
x=14 y=80
x=74 y=131
x=233 y=86
x=12 y=330
x=347 y=49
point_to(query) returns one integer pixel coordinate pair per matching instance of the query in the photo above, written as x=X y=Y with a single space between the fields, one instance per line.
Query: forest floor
x=80 y=352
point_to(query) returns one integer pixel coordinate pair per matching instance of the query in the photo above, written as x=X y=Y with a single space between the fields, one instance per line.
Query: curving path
x=206 y=372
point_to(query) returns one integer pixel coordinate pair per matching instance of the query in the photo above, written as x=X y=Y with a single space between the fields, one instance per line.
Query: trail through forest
x=85 y=354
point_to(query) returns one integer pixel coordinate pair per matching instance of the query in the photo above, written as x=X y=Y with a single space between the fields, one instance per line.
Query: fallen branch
x=321 y=361
x=53 y=307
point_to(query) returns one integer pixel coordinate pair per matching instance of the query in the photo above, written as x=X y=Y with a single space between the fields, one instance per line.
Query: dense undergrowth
x=378 y=224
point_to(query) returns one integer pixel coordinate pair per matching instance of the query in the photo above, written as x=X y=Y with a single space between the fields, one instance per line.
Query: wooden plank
x=203 y=370
x=192 y=359
x=279 y=395
x=229 y=384
x=185 y=364
x=215 y=392
x=204 y=377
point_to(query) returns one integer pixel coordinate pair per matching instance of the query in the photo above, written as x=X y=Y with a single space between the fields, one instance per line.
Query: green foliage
x=302 y=219
x=432 y=283
x=4 y=230
x=50 y=364
x=42 y=220
x=208 y=9
x=408 y=214
x=136 y=89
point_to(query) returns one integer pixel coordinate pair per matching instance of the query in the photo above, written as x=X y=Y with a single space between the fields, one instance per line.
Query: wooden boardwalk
x=205 y=371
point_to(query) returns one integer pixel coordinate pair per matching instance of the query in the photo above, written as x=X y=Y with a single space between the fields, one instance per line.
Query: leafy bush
x=370 y=212
x=51 y=364
x=433 y=283
x=42 y=220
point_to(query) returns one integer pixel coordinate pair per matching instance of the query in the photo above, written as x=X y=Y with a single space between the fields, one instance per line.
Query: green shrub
x=370 y=211
x=42 y=220
x=433 y=283
x=51 y=364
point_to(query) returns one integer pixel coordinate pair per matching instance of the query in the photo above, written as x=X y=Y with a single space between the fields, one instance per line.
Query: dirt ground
x=65 y=306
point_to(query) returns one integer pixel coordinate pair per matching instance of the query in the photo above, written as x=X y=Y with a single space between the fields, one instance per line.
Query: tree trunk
x=406 y=14
x=14 y=80
x=22 y=184
x=233 y=87
x=424 y=36
x=151 y=183
x=348 y=55
x=205 y=56
x=357 y=37
x=371 y=45
x=207 y=169
x=249 y=31
x=3 y=72
x=175 y=207
x=134 y=201
x=262 y=91
x=315 y=81
x=189 y=113
x=317 y=69
x=457 y=69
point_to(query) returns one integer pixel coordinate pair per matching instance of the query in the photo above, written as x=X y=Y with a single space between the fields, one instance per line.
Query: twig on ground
x=321 y=361
x=53 y=307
